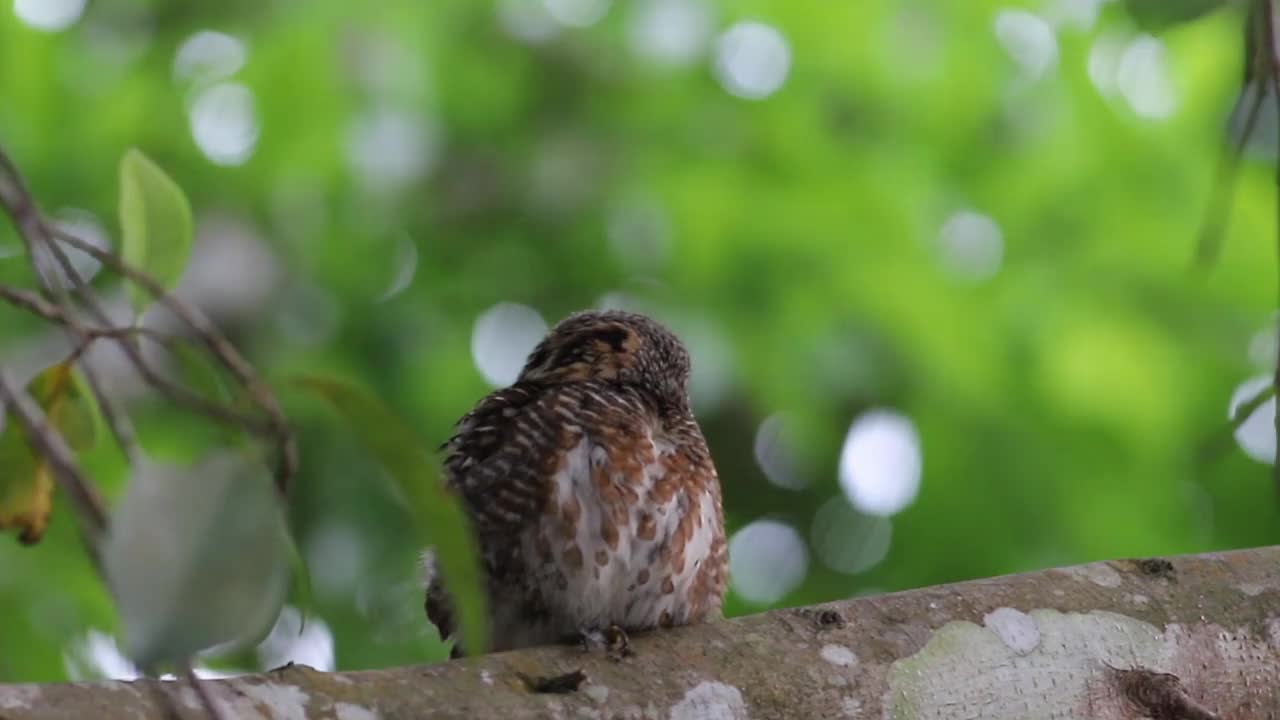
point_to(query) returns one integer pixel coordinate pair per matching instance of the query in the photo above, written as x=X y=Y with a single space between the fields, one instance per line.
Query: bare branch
x=202 y=691
x=217 y=344
x=35 y=232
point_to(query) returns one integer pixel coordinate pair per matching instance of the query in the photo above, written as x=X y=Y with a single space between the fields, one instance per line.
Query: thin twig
x=1216 y=443
x=1219 y=211
x=33 y=303
x=35 y=232
x=202 y=690
x=46 y=310
x=217 y=344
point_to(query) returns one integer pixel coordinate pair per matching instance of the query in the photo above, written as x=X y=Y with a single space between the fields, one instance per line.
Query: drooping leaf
x=26 y=480
x=416 y=477
x=299 y=581
x=155 y=223
x=1160 y=14
x=197 y=557
x=26 y=488
x=64 y=396
x=198 y=372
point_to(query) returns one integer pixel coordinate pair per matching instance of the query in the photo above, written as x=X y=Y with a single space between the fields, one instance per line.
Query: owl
x=591 y=491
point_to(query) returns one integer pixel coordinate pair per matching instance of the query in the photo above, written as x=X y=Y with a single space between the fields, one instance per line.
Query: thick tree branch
x=1190 y=637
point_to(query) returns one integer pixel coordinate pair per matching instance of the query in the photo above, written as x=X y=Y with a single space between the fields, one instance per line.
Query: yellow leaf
x=26 y=481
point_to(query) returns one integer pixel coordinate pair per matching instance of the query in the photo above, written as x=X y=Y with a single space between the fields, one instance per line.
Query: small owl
x=591 y=490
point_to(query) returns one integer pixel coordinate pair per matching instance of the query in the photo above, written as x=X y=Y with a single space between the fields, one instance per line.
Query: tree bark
x=1194 y=637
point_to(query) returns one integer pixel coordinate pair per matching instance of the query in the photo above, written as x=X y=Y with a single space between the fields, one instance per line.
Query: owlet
x=591 y=490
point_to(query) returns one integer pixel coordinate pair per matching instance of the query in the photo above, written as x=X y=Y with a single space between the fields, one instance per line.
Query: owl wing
x=500 y=460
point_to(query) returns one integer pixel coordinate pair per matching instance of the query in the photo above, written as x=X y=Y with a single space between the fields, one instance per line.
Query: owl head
x=615 y=346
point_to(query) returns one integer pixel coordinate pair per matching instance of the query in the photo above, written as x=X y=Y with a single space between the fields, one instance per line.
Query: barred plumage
x=592 y=492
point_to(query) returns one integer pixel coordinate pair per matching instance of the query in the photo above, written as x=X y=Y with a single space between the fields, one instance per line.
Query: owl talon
x=612 y=641
x=617 y=643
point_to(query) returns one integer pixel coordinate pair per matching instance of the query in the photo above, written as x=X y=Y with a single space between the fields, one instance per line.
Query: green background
x=1062 y=402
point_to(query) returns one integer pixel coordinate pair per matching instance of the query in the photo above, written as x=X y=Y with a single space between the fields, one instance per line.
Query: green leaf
x=299 y=581
x=197 y=557
x=155 y=222
x=416 y=475
x=64 y=395
x=26 y=481
x=198 y=371
x=1161 y=14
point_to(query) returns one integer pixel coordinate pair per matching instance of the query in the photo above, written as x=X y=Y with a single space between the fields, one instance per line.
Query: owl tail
x=439 y=608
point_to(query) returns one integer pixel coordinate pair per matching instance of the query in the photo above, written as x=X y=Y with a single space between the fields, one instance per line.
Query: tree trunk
x=1194 y=637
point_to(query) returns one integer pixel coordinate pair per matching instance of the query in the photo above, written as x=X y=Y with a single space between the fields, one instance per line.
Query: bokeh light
x=84 y=225
x=1142 y=77
x=767 y=560
x=672 y=32
x=577 y=13
x=527 y=20
x=848 y=541
x=224 y=123
x=1029 y=40
x=502 y=339
x=970 y=246
x=1264 y=345
x=775 y=451
x=1257 y=434
x=295 y=640
x=639 y=233
x=880 y=463
x=337 y=558
x=207 y=57
x=752 y=60
x=49 y=15
x=389 y=149
x=404 y=269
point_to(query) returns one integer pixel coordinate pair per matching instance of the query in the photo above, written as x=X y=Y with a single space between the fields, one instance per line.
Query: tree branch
x=1190 y=637
x=38 y=234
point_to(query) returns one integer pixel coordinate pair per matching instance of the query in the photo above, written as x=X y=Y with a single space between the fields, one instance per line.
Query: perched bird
x=593 y=495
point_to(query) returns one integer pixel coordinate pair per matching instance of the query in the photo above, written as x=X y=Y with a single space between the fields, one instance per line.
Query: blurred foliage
x=794 y=241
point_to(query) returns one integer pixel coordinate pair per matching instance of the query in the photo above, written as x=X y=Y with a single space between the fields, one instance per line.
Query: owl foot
x=612 y=640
